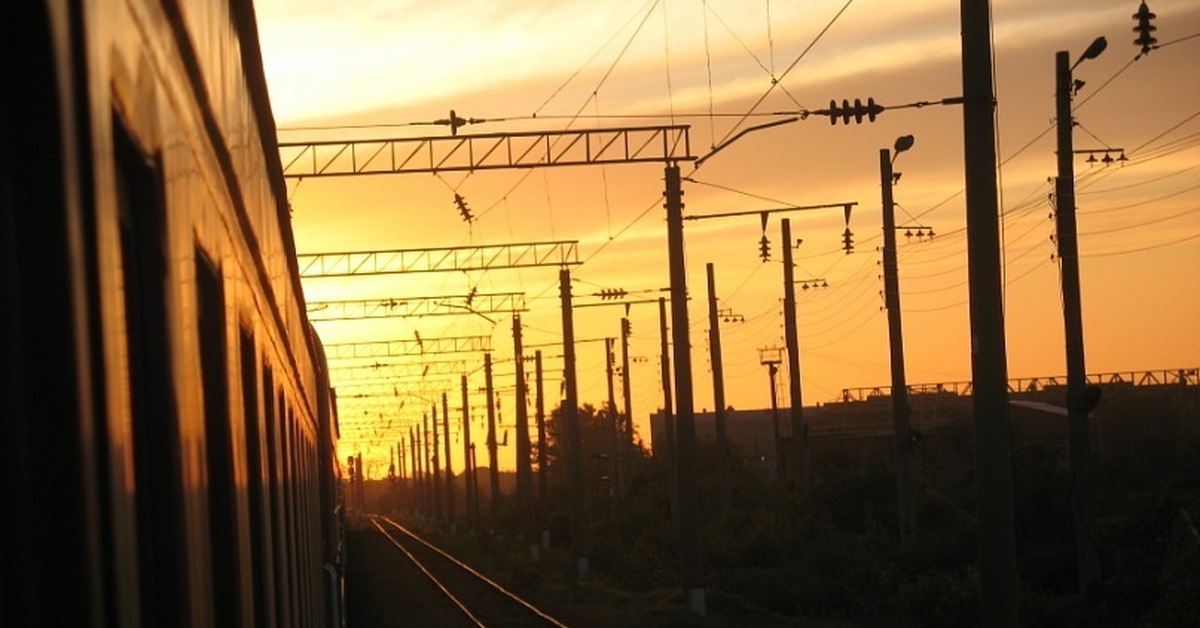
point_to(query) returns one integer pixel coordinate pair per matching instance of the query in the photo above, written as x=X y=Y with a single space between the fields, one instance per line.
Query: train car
x=168 y=429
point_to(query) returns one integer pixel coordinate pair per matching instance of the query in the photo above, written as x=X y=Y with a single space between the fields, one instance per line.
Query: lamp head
x=1094 y=50
x=903 y=143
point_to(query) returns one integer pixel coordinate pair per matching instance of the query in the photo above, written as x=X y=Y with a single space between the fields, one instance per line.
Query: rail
x=533 y=611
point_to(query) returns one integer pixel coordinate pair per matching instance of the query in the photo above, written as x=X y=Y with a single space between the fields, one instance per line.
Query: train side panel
x=152 y=261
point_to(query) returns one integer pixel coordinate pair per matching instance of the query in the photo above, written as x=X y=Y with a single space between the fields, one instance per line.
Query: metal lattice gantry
x=479 y=303
x=397 y=370
x=416 y=346
x=428 y=260
x=535 y=149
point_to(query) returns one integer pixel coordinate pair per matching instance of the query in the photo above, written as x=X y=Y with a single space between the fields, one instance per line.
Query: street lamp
x=1068 y=257
x=901 y=412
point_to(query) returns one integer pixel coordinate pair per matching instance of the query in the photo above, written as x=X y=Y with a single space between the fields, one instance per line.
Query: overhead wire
x=777 y=81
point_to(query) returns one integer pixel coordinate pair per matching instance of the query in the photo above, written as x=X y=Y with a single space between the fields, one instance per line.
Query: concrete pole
x=437 y=467
x=668 y=407
x=692 y=547
x=614 y=429
x=725 y=490
x=799 y=458
x=415 y=456
x=1068 y=259
x=998 y=578
x=543 y=472
x=470 y=496
x=524 y=448
x=449 y=469
x=427 y=467
x=780 y=462
x=492 y=445
x=901 y=412
x=627 y=400
x=570 y=415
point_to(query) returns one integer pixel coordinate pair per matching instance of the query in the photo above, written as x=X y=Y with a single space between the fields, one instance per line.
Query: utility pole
x=668 y=406
x=692 y=549
x=437 y=469
x=400 y=459
x=449 y=469
x=800 y=475
x=1078 y=406
x=492 y=444
x=426 y=485
x=999 y=604
x=614 y=430
x=362 y=501
x=901 y=412
x=524 y=471
x=416 y=492
x=718 y=376
x=627 y=398
x=769 y=356
x=543 y=472
x=570 y=415
x=792 y=338
x=468 y=463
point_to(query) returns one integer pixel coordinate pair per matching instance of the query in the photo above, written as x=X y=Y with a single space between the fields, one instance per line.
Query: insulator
x=1144 y=28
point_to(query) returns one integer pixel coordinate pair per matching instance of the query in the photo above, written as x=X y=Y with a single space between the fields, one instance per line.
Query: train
x=169 y=431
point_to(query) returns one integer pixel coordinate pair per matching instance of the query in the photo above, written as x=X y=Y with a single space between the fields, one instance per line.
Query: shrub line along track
x=493 y=605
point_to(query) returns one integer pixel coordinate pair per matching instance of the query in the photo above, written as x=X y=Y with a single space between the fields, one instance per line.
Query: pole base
x=581 y=565
x=695 y=601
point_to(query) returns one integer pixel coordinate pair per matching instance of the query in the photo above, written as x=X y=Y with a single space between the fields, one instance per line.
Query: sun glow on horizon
x=399 y=62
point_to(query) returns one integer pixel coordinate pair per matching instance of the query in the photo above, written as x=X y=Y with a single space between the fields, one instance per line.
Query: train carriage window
x=258 y=532
x=222 y=505
x=155 y=424
x=274 y=411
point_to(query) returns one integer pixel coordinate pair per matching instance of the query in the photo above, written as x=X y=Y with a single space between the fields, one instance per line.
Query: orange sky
x=369 y=69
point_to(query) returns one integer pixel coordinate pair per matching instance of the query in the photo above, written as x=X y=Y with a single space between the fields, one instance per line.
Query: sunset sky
x=376 y=69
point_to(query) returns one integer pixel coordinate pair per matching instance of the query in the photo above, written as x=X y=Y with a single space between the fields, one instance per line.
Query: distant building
x=942 y=417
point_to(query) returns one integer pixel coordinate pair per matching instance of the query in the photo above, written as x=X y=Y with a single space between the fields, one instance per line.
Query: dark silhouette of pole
x=614 y=430
x=570 y=415
x=772 y=372
x=400 y=460
x=475 y=486
x=524 y=448
x=989 y=369
x=415 y=493
x=692 y=548
x=449 y=467
x=362 y=500
x=492 y=445
x=426 y=483
x=543 y=472
x=725 y=491
x=901 y=412
x=791 y=334
x=627 y=401
x=668 y=407
x=437 y=468
x=471 y=491
x=1088 y=558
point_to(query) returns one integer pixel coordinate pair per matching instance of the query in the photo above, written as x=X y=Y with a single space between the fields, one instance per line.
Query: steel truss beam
x=388 y=389
x=535 y=149
x=394 y=370
x=481 y=304
x=437 y=345
x=459 y=258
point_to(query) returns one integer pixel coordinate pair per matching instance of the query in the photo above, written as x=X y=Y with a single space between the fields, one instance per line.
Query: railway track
x=471 y=599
